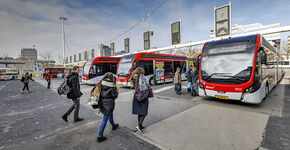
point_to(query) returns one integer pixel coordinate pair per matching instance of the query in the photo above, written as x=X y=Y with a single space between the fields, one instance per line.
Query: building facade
x=29 y=54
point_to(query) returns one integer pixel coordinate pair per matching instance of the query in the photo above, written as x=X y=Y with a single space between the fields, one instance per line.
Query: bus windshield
x=125 y=65
x=229 y=63
x=87 y=67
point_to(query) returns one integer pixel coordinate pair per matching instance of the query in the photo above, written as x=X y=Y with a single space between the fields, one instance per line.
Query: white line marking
x=163 y=89
x=4 y=86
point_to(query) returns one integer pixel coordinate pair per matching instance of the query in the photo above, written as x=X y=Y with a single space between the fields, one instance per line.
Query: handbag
x=150 y=94
x=94 y=99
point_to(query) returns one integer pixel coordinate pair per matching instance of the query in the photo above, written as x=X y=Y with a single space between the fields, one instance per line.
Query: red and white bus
x=56 y=72
x=94 y=69
x=130 y=62
x=235 y=68
x=9 y=74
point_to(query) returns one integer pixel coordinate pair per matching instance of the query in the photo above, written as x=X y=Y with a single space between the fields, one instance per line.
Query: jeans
x=192 y=90
x=75 y=106
x=104 y=123
x=177 y=88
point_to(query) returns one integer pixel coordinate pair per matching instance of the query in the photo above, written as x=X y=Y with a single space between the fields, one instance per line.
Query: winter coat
x=140 y=108
x=48 y=78
x=73 y=83
x=27 y=78
x=177 y=78
x=107 y=97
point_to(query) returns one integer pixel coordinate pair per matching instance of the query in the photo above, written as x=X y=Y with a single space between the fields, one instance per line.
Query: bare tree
x=47 y=57
x=191 y=52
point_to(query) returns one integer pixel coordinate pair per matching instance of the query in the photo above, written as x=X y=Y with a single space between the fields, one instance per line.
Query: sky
x=24 y=23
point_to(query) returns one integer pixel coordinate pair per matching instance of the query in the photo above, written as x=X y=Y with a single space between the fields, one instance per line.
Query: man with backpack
x=74 y=94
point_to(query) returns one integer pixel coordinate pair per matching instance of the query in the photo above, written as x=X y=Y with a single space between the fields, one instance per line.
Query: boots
x=22 y=91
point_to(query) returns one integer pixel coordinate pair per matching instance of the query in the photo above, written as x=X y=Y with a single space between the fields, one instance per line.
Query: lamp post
x=63 y=39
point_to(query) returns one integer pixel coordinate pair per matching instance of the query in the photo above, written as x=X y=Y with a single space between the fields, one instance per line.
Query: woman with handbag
x=140 y=102
x=108 y=94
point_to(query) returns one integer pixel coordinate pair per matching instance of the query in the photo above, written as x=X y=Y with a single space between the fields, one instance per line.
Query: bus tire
x=12 y=77
x=151 y=81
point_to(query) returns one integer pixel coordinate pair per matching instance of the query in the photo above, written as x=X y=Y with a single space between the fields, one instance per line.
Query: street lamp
x=63 y=39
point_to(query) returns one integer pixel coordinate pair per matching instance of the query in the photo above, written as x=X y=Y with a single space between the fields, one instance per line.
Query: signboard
x=222 y=21
x=175 y=33
x=92 y=53
x=126 y=43
x=85 y=55
x=112 y=46
x=146 y=38
x=159 y=70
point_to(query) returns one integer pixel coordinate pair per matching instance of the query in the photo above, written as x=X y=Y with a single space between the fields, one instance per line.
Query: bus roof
x=152 y=56
x=107 y=59
x=234 y=39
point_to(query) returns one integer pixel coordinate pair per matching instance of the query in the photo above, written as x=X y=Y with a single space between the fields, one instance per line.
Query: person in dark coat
x=48 y=79
x=74 y=94
x=139 y=108
x=107 y=102
x=26 y=78
x=188 y=75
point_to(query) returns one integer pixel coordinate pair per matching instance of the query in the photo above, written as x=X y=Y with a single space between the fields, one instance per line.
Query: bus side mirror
x=264 y=57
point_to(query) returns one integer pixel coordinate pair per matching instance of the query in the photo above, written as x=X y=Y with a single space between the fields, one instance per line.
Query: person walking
x=108 y=94
x=26 y=79
x=139 y=108
x=177 y=81
x=48 y=79
x=74 y=94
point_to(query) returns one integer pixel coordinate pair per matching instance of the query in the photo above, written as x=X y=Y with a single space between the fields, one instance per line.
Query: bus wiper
x=215 y=74
x=235 y=77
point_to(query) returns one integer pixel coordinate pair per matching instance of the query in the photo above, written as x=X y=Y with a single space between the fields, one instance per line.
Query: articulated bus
x=94 y=69
x=169 y=64
x=56 y=72
x=9 y=74
x=235 y=68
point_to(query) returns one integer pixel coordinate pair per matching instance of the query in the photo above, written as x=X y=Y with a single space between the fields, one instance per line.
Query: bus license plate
x=121 y=84
x=221 y=97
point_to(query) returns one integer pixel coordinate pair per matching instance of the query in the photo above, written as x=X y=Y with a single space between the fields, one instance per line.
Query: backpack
x=95 y=98
x=22 y=79
x=63 y=88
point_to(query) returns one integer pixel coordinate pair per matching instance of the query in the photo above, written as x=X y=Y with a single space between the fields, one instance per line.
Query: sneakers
x=78 y=119
x=64 y=118
x=139 y=129
x=115 y=127
x=101 y=138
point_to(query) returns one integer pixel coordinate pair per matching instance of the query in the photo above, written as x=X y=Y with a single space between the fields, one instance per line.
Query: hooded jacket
x=107 y=97
x=73 y=83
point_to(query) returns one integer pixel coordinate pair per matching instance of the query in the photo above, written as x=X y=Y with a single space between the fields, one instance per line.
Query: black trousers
x=140 y=120
x=25 y=86
x=76 y=107
x=48 y=85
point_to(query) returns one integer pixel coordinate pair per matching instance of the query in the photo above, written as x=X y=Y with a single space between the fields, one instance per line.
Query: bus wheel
x=151 y=81
x=12 y=77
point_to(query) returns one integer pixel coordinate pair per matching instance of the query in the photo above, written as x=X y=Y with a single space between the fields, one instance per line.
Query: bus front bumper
x=124 y=84
x=253 y=98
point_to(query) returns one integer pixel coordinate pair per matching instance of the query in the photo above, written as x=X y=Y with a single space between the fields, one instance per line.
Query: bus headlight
x=249 y=89
x=201 y=86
